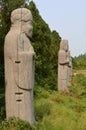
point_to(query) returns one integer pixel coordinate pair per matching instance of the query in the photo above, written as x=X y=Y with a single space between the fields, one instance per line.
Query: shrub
x=1 y=74
x=40 y=92
x=42 y=110
x=15 y=124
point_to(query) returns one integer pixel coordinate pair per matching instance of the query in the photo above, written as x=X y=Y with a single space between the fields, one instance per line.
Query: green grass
x=53 y=110
x=65 y=112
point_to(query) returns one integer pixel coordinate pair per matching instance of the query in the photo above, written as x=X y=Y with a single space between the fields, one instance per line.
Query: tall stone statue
x=19 y=66
x=63 y=64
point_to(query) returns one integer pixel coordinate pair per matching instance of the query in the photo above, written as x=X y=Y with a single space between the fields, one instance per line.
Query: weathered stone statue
x=19 y=66
x=63 y=64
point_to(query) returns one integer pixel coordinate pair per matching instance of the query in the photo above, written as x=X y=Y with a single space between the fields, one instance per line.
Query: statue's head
x=22 y=17
x=64 y=45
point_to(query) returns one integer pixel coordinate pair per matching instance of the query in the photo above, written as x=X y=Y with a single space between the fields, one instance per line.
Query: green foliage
x=79 y=85
x=54 y=48
x=40 y=92
x=2 y=103
x=15 y=124
x=42 y=110
x=1 y=74
x=80 y=62
x=2 y=113
x=46 y=45
x=7 y=7
x=41 y=39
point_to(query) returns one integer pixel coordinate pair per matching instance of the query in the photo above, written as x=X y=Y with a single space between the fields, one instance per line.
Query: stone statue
x=19 y=66
x=63 y=63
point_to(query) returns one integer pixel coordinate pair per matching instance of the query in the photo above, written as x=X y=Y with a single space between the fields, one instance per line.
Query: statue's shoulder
x=11 y=35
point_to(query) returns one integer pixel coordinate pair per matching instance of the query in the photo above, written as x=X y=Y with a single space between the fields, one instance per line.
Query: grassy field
x=79 y=72
x=53 y=110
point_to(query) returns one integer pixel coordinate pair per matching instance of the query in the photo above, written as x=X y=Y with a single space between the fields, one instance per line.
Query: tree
x=54 y=48
x=80 y=62
x=46 y=44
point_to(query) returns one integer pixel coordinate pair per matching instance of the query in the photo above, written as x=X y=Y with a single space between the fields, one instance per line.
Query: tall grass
x=53 y=110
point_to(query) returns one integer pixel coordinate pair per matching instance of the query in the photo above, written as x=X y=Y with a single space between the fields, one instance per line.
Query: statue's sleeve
x=24 y=65
x=26 y=70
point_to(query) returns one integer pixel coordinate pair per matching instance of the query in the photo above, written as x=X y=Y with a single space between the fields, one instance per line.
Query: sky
x=68 y=18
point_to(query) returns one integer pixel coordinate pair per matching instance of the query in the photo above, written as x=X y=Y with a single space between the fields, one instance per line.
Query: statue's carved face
x=64 y=45
x=28 y=28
